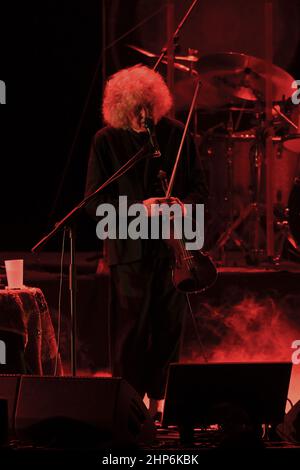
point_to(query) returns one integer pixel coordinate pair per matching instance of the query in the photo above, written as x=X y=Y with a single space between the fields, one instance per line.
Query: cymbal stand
x=258 y=160
x=283 y=237
x=229 y=158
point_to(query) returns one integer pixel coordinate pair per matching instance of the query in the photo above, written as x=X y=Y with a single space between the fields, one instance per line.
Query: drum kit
x=231 y=128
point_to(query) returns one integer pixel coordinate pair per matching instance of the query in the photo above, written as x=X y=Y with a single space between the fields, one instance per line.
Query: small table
x=25 y=311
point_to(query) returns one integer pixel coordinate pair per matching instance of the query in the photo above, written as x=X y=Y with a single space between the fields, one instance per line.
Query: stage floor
x=251 y=314
x=165 y=451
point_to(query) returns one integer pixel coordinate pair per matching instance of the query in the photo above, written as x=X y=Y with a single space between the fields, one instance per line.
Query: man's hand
x=154 y=211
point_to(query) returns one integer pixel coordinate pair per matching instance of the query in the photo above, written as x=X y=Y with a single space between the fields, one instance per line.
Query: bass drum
x=233 y=178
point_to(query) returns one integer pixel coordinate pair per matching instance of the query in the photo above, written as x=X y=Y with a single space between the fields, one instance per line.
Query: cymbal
x=240 y=76
x=187 y=58
x=233 y=80
x=181 y=67
x=177 y=66
x=209 y=97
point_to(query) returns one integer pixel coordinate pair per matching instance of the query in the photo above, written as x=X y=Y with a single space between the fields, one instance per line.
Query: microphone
x=149 y=125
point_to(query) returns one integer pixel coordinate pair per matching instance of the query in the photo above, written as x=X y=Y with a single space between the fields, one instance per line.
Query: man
x=146 y=312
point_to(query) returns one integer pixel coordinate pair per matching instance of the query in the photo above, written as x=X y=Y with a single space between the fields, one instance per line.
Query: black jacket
x=111 y=148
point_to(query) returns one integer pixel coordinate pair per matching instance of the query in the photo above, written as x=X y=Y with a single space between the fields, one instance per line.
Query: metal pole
x=103 y=45
x=170 y=49
x=269 y=141
x=182 y=22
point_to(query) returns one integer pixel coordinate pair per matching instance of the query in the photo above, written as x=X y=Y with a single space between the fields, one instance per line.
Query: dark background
x=49 y=54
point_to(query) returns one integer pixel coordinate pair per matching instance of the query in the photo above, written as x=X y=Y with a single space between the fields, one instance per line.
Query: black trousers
x=146 y=317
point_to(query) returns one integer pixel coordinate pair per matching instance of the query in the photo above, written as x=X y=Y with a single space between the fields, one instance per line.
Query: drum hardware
x=229 y=157
x=229 y=204
x=257 y=178
x=230 y=116
x=192 y=55
x=285 y=212
x=252 y=251
x=240 y=81
x=294 y=210
x=289 y=228
x=286 y=235
x=249 y=251
x=281 y=238
x=190 y=59
x=285 y=241
x=230 y=233
x=278 y=111
x=292 y=136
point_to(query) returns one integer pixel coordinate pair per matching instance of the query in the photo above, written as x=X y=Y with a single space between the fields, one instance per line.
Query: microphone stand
x=68 y=223
x=175 y=34
x=173 y=40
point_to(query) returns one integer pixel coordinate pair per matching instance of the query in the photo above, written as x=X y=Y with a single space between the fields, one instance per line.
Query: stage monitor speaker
x=9 y=387
x=218 y=393
x=81 y=412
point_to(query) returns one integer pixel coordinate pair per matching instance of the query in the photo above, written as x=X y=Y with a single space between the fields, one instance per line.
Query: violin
x=193 y=271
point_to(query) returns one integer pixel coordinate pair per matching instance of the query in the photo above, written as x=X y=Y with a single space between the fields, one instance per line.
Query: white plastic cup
x=14 y=273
